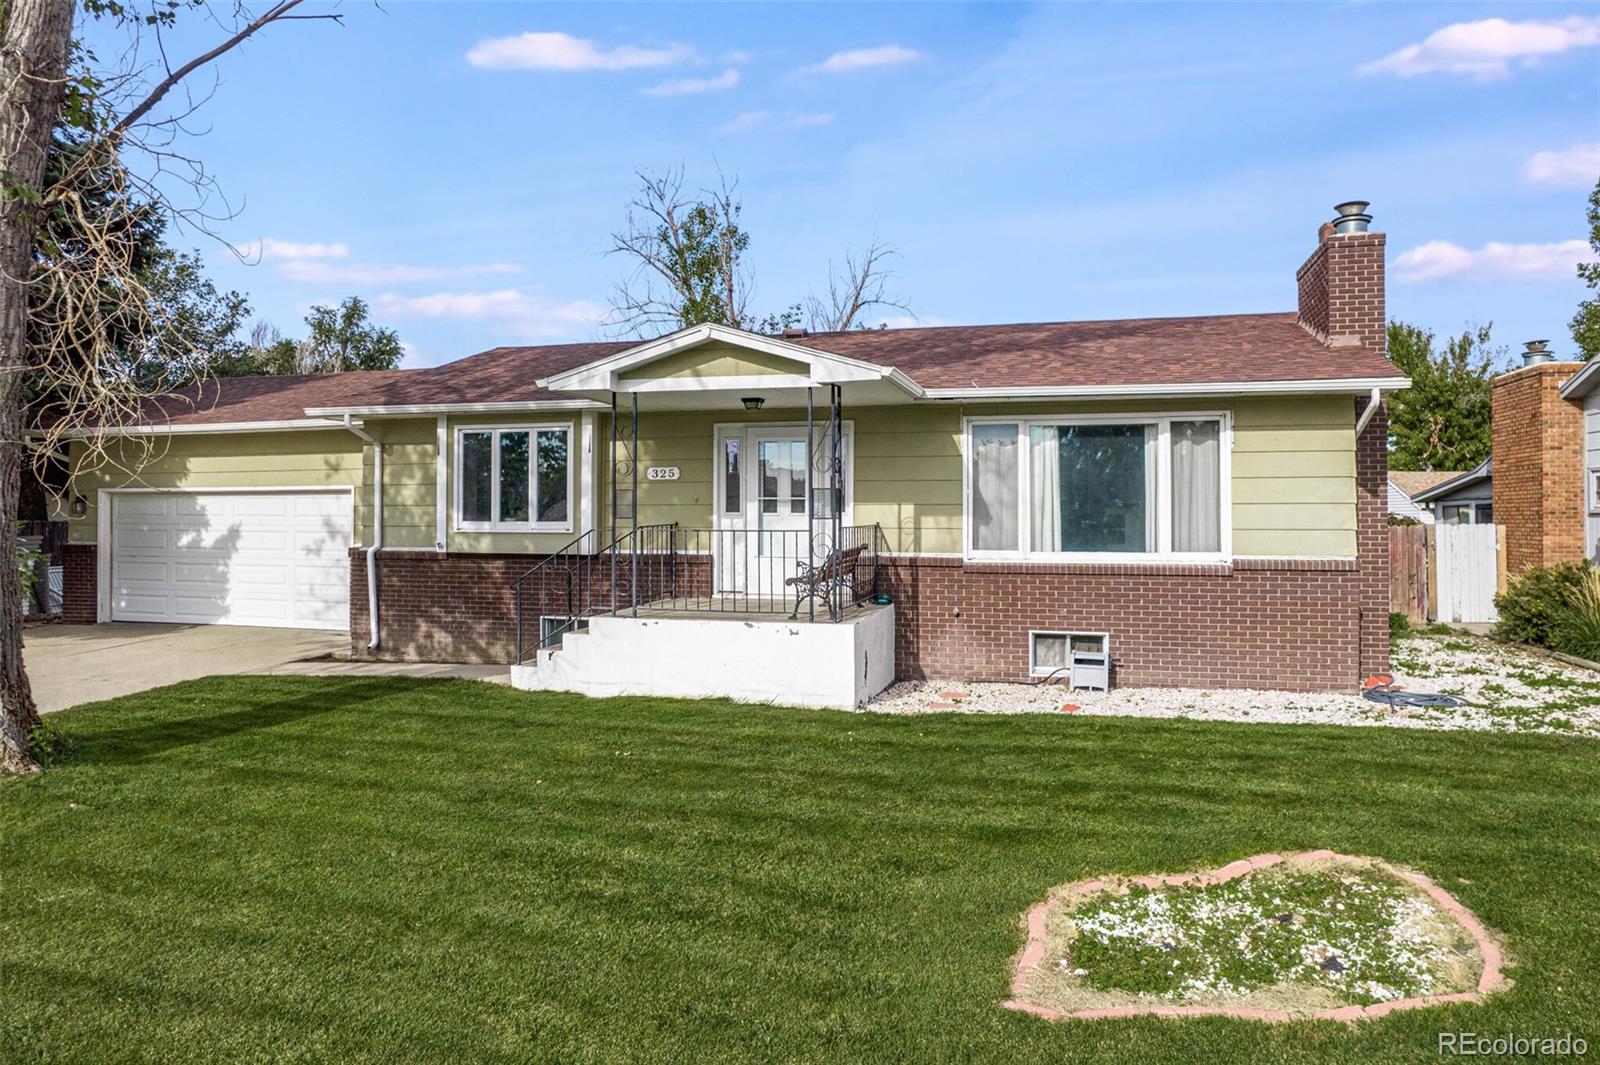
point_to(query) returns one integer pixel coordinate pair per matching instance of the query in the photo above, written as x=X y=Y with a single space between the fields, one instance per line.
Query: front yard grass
x=254 y=868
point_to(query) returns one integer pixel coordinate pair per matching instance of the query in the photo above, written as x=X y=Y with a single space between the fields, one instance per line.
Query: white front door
x=779 y=527
x=763 y=515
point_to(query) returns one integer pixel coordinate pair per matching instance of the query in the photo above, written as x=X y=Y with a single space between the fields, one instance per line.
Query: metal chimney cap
x=1537 y=351
x=1353 y=217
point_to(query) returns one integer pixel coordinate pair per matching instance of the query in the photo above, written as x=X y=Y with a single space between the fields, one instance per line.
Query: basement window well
x=1081 y=659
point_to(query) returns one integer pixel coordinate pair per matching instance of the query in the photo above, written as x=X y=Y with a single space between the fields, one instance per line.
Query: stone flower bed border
x=1492 y=978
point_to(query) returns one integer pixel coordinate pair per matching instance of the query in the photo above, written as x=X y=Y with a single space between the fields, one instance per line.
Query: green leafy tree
x=1442 y=421
x=1586 y=323
x=338 y=339
x=343 y=339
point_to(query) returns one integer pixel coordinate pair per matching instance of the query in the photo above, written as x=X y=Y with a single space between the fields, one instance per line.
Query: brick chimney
x=1537 y=460
x=1341 y=284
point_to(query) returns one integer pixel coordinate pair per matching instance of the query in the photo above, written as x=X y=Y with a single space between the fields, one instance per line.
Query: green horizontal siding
x=314 y=459
x=1293 y=465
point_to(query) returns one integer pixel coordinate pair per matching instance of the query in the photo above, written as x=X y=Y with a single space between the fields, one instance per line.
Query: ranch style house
x=799 y=518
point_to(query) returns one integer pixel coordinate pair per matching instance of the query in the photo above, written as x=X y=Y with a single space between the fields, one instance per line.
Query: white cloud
x=744 y=122
x=1494 y=261
x=1487 y=49
x=862 y=58
x=527 y=314
x=268 y=248
x=747 y=121
x=1578 y=166
x=562 y=51
x=694 y=86
x=383 y=273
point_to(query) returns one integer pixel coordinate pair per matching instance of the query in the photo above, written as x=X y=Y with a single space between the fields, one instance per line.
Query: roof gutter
x=1323 y=386
x=1373 y=402
x=377 y=527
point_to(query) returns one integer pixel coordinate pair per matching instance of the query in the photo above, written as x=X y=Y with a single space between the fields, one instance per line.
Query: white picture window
x=1594 y=490
x=514 y=479
x=1116 y=487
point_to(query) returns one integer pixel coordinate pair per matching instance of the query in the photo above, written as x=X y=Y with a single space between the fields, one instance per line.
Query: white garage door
x=232 y=558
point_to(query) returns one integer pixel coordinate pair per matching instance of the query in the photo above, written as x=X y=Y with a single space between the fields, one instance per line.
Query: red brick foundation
x=1270 y=624
x=79 y=583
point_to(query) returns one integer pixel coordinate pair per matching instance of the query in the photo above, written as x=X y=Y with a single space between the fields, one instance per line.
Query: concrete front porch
x=748 y=656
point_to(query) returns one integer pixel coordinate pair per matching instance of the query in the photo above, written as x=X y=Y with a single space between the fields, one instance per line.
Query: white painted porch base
x=787 y=663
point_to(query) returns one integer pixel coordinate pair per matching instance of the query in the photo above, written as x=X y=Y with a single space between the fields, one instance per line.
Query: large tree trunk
x=34 y=36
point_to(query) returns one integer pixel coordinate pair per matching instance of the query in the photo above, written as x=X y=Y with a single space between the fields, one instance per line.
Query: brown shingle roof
x=1413 y=481
x=1231 y=347
x=1138 y=351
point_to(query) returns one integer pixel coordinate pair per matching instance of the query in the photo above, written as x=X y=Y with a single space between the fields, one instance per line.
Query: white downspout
x=1366 y=415
x=377 y=527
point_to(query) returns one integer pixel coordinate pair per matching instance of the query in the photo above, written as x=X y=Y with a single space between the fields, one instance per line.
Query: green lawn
x=360 y=869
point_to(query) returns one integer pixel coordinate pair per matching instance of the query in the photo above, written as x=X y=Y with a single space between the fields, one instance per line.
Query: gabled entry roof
x=770 y=363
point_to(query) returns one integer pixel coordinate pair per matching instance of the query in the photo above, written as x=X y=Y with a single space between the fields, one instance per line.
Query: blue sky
x=1029 y=163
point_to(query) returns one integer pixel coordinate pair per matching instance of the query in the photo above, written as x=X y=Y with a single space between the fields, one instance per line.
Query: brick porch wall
x=79 y=581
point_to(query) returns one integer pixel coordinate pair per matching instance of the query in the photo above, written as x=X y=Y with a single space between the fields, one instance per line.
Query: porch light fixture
x=80 y=506
x=752 y=402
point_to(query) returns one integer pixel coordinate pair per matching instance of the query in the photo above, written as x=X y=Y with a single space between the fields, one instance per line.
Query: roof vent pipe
x=1353 y=217
x=1537 y=351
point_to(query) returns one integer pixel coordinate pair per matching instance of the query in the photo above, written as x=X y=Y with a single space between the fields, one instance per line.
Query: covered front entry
x=772 y=509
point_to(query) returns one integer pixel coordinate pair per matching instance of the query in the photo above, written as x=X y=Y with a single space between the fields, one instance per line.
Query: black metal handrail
x=668 y=568
x=590 y=576
x=790 y=572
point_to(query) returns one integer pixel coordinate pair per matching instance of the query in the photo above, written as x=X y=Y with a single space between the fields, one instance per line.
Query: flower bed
x=1319 y=935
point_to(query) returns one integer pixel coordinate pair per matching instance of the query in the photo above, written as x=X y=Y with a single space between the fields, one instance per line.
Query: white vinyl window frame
x=1594 y=491
x=1162 y=420
x=533 y=429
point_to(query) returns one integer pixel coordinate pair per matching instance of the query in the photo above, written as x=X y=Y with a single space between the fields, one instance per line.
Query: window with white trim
x=1101 y=487
x=514 y=479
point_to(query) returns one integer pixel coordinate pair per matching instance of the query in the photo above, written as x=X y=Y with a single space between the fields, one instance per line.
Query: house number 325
x=662 y=473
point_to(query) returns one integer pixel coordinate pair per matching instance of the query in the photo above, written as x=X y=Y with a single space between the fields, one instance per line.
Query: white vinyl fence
x=1468 y=572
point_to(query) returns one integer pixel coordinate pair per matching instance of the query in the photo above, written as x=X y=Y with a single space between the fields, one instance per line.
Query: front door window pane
x=732 y=474
x=781 y=475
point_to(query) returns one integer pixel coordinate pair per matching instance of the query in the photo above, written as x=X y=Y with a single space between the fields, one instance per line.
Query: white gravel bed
x=1503 y=690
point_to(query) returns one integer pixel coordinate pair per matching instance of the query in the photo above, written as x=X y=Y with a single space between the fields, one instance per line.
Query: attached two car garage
x=276 y=557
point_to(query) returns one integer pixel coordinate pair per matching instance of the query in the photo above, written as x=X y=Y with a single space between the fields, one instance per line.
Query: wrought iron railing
x=590 y=574
x=665 y=569
x=787 y=572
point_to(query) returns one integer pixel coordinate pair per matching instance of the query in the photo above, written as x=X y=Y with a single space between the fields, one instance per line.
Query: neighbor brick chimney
x=1537 y=461
x=1341 y=284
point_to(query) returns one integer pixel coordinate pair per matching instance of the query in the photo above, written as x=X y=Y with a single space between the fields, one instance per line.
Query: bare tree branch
x=855 y=290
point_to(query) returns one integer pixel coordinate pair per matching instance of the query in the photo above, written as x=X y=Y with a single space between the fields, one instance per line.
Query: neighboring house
x=1459 y=498
x=1541 y=462
x=1404 y=486
x=1583 y=388
x=1207 y=494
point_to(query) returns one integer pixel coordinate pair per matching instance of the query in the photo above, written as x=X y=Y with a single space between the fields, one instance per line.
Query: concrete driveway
x=72 y=664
